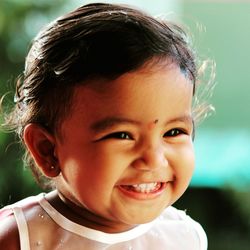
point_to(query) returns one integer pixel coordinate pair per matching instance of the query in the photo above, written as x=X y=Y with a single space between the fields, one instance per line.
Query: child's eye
x=119 y=135
x=174 y=132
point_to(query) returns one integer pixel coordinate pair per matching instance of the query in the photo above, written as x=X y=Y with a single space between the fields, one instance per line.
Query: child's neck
x=83 y=216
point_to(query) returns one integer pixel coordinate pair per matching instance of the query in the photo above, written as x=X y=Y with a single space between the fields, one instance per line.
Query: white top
x=41 y=227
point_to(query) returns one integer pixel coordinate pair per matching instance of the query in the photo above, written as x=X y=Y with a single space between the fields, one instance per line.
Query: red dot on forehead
x=152 y=124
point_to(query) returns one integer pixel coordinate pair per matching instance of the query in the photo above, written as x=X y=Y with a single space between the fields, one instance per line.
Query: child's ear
x=41 y=145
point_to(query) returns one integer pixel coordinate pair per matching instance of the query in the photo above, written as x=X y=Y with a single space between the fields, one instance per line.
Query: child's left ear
x=41 y=145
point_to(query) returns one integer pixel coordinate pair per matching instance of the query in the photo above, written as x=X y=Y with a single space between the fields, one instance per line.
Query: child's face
x=126 y=150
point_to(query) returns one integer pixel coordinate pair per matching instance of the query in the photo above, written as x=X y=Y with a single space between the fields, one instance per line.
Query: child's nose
x=152 y=157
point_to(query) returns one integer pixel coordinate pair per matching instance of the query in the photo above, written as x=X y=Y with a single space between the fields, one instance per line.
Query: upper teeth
x=145 y=187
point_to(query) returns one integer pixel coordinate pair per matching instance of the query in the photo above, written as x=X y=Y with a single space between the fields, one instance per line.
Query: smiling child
x=104 y=110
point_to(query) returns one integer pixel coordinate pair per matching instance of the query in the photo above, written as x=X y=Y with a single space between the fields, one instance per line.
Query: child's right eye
x=118 y=135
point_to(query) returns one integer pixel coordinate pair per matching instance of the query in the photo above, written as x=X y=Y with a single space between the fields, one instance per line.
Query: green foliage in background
x=19 y=23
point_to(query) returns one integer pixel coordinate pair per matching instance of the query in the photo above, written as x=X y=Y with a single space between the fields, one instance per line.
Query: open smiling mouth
x=143 y=188
x=143 y=191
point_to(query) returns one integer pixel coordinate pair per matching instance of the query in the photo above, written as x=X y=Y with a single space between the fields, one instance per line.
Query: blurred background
x=219 y=194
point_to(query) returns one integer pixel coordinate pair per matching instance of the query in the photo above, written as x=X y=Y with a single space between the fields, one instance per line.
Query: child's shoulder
x=172 y=213
x=181 y=226
x=9 y=219
x=9 y=236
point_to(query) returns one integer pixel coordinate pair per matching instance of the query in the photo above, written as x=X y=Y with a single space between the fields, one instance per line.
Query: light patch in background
x=156 y=7
x=222 y=159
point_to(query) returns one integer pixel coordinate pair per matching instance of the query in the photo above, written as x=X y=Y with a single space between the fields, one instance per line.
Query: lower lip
x=143 y=196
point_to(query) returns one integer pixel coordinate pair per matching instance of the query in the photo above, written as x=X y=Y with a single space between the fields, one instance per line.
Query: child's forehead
x=128 y=86
x=149 y=69
x=150 y=97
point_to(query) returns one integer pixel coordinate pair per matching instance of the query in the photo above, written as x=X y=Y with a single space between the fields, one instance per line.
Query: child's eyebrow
x=109 y=122
x=188 y=119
